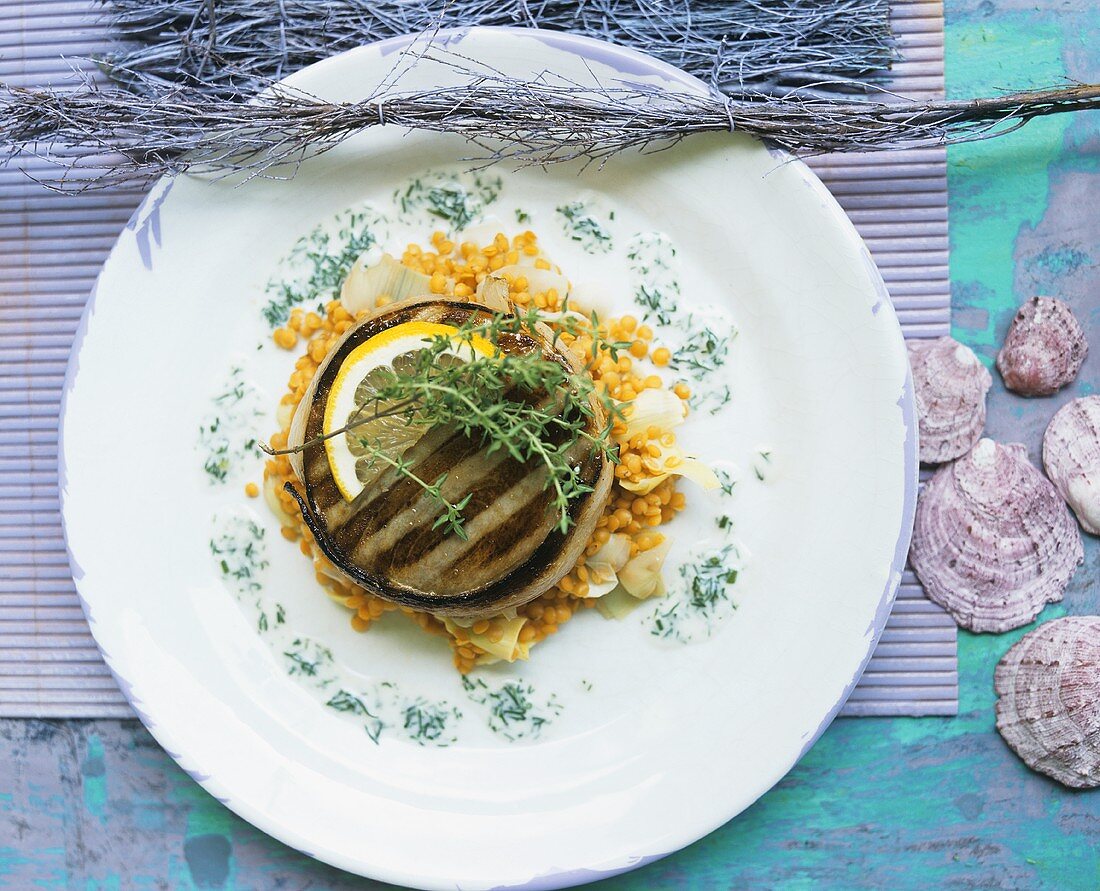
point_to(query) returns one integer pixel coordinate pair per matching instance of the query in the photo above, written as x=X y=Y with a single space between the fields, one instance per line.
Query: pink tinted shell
x=993 y=541
x=1049 y=705
x=1071 y=456
x=950 y=384
x=1044 y=348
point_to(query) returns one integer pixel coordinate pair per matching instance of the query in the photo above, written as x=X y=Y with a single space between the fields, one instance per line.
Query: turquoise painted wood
x=899 y=803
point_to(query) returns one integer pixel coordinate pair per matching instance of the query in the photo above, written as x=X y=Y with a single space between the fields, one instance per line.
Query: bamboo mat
x=52 y=246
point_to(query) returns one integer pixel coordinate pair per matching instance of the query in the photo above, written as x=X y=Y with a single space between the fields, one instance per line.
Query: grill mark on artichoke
x=384 y=541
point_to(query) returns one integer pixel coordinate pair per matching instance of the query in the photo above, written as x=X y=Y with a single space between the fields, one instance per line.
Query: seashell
x=950 y=384
x=1071 y=456
x=993 y=542
x=1044 y=348
x=1049 y=706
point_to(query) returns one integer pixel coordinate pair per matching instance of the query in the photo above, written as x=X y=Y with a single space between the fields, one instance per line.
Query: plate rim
x=602 y=50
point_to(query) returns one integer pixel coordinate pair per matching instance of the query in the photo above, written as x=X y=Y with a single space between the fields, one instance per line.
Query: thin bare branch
x=233 y=48
x=106 y=136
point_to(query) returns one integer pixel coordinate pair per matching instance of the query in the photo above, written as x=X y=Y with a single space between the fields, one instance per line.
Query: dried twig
x=230 y=48
x=124 y=137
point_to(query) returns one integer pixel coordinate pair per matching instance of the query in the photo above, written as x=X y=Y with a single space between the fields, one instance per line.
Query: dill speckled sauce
x=389 y=682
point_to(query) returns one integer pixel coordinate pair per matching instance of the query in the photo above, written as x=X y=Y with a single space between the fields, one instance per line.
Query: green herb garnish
x=582 y=226
x=301 y=663
x=726 y=481
x=708 y=581
x=521 y=402
x=343 y=701
x=240 y=553
x=705 y=595
x=513 y=713
x=426 y=722
x=448 y=198
x=327 y=261
x=218 y=435
x=704 y=352
x=657 y=300
x=759 y=468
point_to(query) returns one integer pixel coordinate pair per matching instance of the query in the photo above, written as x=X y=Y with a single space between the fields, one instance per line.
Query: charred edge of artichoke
x=471 y=602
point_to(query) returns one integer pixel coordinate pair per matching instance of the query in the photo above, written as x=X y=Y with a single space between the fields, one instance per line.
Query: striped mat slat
x=51 y=247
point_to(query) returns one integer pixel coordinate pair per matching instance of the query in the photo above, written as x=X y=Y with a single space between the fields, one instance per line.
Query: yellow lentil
x=285 y=338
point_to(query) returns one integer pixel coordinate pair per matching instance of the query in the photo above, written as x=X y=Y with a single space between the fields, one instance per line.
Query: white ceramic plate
x=652 y=743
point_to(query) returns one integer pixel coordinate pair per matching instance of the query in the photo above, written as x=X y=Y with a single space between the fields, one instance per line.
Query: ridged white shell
x=1049 y=706
x=1071 y=456
x=1044 y=348
x=993 y=541
x=950 y=384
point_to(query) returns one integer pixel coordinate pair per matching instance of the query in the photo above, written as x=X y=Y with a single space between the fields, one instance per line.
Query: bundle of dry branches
x=230 y=48
x=122 y=137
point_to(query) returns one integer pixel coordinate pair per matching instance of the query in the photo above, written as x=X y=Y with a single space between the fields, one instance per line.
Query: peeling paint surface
x=898 y=803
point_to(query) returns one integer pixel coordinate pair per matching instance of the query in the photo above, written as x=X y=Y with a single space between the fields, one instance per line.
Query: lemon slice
x=357 y=381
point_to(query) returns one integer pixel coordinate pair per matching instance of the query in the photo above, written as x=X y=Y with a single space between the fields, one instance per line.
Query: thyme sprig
x=520 y=401
x=452 y=512
x=517 y=399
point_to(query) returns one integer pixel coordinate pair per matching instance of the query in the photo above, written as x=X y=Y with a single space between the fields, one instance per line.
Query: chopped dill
x=703 y=353
x=703 y=346
x=349 y=703
x=709 y=581
x=582 y=226
x=450 y=202
x=724 y=522
x=656 y=287
x=704 y=597
x=457 y=199
x=301 y=662
x=513 y=712
x=240 y=550
x=522 y=216
x=325 y=259
x=343 y=701
x=236 y=391
x=726 y=482
x=658 y=301
x=699 y=357
x=664 y=621
x=761 y=466
x=426 y=722
x=712 y=400
x=237 y=405
x=217 y=465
